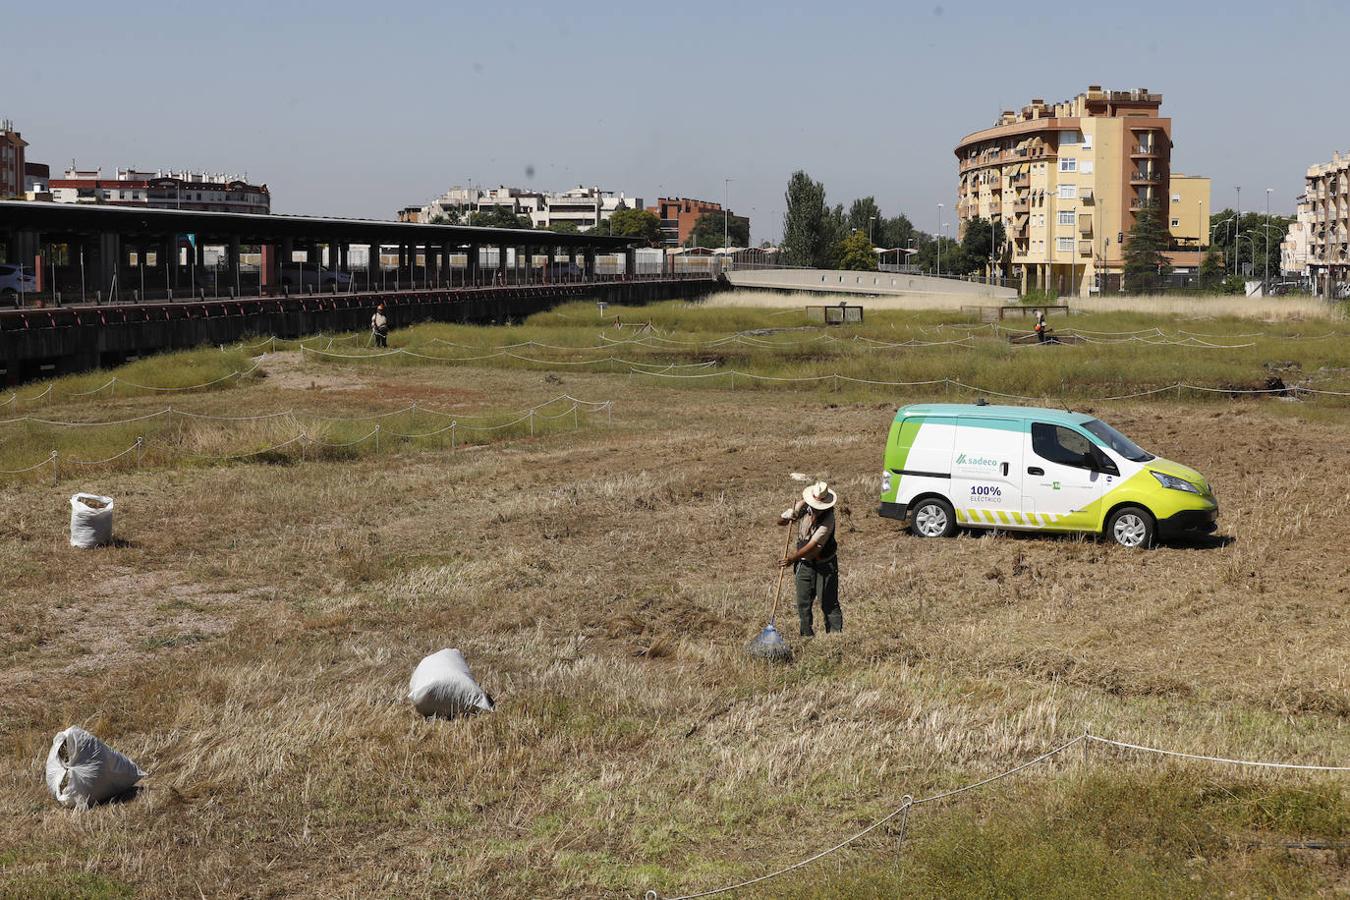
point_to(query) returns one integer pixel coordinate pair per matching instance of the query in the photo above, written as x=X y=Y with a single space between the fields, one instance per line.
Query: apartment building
x=584 y=207
x=1067 y=180
x=201 y=191
x=12 y=146
x=1294 y=249
x=678 y=215
x=1327 y=192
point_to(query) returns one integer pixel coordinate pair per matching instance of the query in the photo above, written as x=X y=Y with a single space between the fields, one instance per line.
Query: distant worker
x=379 y=327
x=815 y=561
x=1041 y=329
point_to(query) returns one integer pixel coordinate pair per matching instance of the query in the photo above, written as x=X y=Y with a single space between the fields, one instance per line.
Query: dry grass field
x=249 y=638
x=1183 y=308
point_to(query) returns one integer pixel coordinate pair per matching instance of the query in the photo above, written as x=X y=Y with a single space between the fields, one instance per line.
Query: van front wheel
x=932 y=517
x=1131 y=526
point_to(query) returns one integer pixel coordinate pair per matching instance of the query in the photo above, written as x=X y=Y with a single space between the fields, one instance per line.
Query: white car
x=302 y=275
x=14 y=281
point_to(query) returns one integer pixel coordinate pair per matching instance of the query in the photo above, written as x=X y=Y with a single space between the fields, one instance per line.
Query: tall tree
x=498 y=217
x=564 y=228
x=982 y=240
x=708 y=231
x=1145 y=265
x=895 y=232
x=807 y=235
x=637 y=223
x=856 y=252
x=865 y=216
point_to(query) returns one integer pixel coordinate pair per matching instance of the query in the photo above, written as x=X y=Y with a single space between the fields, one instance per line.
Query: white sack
x=82 y=770
x=90 y=526
x=442 y=685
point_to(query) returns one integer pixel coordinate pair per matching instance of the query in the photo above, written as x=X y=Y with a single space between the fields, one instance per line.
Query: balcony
x=1147 y=150
x=1145 y=177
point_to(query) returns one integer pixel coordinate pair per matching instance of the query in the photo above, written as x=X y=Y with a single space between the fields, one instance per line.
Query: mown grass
x=249 y=640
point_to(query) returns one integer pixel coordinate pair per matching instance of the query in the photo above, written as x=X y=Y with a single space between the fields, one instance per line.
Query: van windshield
x=1118 y=442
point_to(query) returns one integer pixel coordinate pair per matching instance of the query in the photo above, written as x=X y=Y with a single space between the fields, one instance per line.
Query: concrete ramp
x=884 y=284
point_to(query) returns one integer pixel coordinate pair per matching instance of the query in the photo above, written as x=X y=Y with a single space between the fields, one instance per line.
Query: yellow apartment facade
x=1067 y=180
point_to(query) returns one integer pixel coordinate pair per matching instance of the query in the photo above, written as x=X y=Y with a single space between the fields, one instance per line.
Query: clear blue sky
x=358 y=109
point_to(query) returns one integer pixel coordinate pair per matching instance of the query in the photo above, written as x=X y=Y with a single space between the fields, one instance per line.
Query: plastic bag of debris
x=442 y=685
x=91 y=520
x=83 y=771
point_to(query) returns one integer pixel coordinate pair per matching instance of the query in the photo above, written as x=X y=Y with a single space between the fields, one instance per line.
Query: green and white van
x=953 y=465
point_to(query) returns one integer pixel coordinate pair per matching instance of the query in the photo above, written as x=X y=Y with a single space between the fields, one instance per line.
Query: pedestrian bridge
x=886 y=284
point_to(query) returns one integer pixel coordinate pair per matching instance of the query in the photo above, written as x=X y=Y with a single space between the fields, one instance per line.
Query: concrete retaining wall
x=835 y=281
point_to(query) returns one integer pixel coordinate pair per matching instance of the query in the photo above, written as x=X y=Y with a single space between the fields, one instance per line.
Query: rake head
x=769 y=645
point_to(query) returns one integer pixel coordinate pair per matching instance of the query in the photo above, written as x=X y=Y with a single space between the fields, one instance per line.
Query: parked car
x=14 y=281
x=303 y=275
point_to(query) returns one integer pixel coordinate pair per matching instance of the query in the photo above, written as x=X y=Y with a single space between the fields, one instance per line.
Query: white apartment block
x=584 y=207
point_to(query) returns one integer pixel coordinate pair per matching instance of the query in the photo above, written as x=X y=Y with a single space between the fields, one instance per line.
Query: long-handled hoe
x=769 y=644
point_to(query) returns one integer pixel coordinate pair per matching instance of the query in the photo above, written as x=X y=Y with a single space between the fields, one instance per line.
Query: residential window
x=1068 y=192
x=1066 y=217
x=1064 y=244
x=1176 y=198
x=1068 y=165
x=1176 y=223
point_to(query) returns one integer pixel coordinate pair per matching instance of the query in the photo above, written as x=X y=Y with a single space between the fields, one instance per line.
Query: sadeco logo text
x=978 y=461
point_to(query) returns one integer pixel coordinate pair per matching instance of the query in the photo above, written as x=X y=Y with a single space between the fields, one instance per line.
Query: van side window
x=1057 y=444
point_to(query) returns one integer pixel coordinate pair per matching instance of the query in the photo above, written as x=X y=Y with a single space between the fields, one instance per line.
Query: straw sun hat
x=819 y=496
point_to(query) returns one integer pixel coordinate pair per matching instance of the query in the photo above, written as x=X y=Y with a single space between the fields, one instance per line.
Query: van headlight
x=1174 y=483
x=885 y=481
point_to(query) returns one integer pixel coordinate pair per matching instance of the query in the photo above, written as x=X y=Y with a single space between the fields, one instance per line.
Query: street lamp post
x=938 y=237
x=726 y=216
x=1237 y=226
x=1266 y=286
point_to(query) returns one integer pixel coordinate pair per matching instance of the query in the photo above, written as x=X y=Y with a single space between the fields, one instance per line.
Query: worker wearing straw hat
x=815 y=561
x=379 y=327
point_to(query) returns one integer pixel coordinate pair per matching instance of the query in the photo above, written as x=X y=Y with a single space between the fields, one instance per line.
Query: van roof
x=974 y=411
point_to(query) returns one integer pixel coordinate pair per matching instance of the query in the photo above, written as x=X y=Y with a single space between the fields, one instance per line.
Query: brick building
x=11 y=161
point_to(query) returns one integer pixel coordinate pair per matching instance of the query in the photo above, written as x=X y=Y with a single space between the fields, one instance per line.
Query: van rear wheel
x=1131 y=526
x=932 y=517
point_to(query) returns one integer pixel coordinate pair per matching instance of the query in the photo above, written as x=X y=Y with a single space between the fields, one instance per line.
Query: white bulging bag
x=82 y=770
x=91 y=520
x=442 y=685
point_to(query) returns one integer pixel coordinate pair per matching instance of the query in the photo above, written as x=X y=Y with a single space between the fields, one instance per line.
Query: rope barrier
x=1215 y=759
x=98 y=462
x=908 y=802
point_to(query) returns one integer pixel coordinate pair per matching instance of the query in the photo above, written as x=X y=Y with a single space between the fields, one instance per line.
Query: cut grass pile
x=249 y=642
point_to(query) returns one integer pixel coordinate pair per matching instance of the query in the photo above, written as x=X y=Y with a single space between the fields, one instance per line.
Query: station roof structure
x=257 y=228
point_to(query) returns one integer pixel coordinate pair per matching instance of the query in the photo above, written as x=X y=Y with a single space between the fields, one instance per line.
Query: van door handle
x=1035 y=470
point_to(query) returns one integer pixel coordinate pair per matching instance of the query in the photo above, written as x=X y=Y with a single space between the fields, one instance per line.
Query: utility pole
x=1237 y=229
